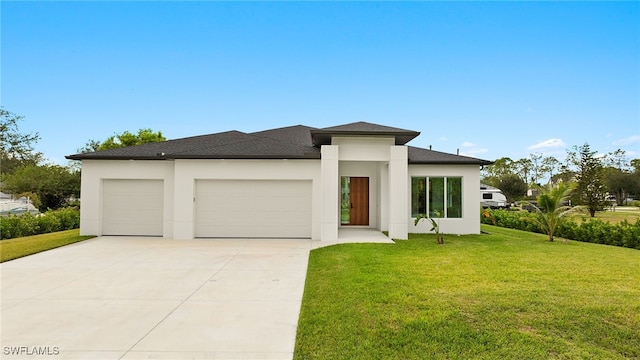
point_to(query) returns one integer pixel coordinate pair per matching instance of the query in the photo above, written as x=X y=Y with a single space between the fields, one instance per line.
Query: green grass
x=15 y=248
x=631 y=214
x=506 y=295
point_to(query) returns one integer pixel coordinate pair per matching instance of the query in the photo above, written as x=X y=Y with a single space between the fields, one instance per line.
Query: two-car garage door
x=253 y=208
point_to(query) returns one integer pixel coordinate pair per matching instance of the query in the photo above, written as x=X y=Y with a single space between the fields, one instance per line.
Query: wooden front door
x=358 y=201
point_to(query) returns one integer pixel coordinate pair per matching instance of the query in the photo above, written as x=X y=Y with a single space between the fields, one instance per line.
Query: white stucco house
x=291 y=182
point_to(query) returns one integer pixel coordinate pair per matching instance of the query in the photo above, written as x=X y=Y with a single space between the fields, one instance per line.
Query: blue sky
x=492 y=79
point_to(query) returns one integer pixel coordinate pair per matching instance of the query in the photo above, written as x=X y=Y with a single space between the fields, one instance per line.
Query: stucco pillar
x=399 y=193
x=330 y=193
x=183 y=221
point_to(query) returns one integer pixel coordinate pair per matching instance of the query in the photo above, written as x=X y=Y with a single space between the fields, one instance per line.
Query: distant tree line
x=598 y=178
x=25 y=172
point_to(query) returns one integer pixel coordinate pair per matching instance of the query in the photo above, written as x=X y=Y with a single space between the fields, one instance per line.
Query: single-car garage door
x=253 y=208
x=132 y=207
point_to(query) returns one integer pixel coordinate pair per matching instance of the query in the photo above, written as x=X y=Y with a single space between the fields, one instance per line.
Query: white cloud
x=443 y=138
x=549 y=143
x=473 y=152
x=471 y=149
x=479 y=151
x=628 y=141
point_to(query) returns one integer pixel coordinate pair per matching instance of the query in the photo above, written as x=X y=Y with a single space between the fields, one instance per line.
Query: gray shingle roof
x=293 y=142
x=426 y=156
x=274 y=144
x=323 y=136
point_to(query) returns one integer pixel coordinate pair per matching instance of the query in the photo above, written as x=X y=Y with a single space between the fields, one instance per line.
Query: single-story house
x=291 y=182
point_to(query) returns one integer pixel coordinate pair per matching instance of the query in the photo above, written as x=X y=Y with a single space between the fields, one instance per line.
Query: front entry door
x=355 y=201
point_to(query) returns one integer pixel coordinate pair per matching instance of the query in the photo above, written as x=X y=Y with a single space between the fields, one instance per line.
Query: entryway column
x=330 y=193
x=399 y=193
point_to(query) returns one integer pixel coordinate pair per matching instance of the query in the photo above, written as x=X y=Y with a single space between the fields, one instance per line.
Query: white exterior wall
x=329 y=194
x=398 y=188
x=363 y=148
x=384 y=197
x=179 y=186
x=470 y=221
x=95 y=171
x=377 y=158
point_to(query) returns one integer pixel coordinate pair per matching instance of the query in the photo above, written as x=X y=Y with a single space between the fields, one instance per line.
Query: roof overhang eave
x=244 y=157
x=197 y=157
x=80 y=158
x=479 y=162
x=323 y=137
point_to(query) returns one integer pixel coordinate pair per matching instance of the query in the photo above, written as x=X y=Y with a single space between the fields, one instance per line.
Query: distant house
x=291 y=182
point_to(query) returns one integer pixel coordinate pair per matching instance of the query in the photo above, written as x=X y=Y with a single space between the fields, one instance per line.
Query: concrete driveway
x=151 y=298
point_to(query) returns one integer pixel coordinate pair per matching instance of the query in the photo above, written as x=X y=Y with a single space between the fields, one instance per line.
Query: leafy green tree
x=537 y=167
x=619 y=179
x=591 y=190
x=511 y=185
x=617 y=159
x=502 y=166
x=90 y=146
x=634 y=181
x=524 y=169
x=617 y=182
x=550 y=165
x=16 y=148
x=124 y=139
x=53 y=184
x=551 y=211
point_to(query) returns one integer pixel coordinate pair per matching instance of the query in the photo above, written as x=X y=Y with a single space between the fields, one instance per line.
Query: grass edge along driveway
x=506 y=295
x=16 y=248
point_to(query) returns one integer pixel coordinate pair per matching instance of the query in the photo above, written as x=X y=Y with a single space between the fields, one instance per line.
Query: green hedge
x=14 y=226
x=624 y=234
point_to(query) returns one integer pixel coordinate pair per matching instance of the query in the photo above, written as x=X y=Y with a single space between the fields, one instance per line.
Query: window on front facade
x=454 y=197
x=436 y=196
x=418 y=198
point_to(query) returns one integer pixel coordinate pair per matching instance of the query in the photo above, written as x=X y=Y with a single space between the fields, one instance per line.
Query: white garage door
x=132 y=207
x=253 y=208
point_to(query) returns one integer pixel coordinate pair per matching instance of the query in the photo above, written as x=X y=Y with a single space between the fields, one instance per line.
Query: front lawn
x=630 y=214
x=15 y=248
x=507 y=295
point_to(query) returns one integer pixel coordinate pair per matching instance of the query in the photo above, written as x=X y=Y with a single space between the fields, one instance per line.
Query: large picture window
x=436 y=196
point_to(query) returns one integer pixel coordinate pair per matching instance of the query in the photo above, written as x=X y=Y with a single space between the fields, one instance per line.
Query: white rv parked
x=492 y=197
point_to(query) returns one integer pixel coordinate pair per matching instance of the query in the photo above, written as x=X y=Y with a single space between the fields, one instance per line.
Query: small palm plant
x=550 y=211
x=435 y=226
